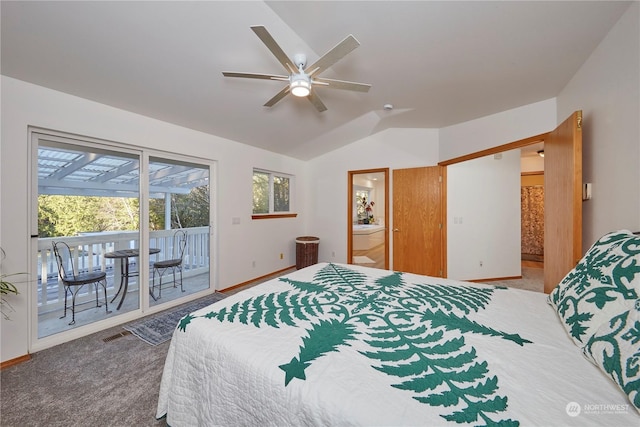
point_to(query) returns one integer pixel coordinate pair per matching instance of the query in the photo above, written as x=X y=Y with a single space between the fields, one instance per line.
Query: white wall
x=392 y=148
x=532 y=164
x=497 y=129
x=483 y=217
x=463 y=252
x=378 y=196
x=407 y=148
x=262 y=241
x=607 y=90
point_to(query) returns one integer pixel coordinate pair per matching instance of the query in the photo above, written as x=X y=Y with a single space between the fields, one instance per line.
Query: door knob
x=395 y=230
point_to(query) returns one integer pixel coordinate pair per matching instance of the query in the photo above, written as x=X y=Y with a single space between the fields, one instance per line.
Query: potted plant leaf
x=6 y=288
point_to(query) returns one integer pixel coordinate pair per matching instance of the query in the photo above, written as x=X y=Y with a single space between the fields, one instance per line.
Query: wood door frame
x=495 y=150
x=350 y=174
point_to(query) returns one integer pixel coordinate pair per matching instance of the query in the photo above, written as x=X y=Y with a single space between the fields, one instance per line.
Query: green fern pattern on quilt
x=415 y=333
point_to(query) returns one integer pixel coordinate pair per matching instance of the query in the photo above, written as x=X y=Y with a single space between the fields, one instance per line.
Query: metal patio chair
x=73 y=281
x=174 y=264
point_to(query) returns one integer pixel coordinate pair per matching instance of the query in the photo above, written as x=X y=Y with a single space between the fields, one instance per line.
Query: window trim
x=273 y=216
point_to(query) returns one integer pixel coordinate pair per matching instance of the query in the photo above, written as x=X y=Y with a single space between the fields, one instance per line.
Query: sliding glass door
x=91 y=198
x=179 y=218
x=89 y=209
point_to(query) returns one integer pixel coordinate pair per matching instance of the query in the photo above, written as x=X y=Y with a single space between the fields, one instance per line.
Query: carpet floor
x=86 y=382
x=95 y=380
x=92 y=381
x=532 y=280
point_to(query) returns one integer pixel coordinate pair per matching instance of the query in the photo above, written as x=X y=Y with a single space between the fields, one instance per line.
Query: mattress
x=336 y=344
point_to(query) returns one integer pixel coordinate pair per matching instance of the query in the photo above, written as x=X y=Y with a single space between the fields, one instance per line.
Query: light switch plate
x=586 y=191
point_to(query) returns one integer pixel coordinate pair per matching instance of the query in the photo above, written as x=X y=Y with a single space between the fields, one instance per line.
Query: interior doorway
x=562 y=197
x=532 y=205
x=532 y=228
x=368 y=218
x=532 y=218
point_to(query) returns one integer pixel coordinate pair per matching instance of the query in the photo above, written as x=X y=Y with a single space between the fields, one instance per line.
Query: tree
x=260 y=192
x=187 y=210
x=69 y=215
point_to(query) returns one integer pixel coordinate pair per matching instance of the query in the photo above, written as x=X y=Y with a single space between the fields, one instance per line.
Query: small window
x=271 y=192
x=362 y=198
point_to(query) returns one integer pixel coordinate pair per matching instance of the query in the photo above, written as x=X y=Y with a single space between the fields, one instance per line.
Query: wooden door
x=418 y=235
x=562 y=200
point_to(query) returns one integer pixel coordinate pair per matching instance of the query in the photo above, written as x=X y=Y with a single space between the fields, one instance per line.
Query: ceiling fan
x=302 y=79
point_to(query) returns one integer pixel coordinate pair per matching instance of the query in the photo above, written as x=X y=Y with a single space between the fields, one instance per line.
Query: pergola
x=65 y=170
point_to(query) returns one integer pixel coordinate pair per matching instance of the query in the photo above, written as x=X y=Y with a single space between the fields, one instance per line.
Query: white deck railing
x=88 y=252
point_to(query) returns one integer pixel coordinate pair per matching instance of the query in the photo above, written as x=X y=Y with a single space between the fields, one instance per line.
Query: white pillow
x=604 y=284
x=615 y=349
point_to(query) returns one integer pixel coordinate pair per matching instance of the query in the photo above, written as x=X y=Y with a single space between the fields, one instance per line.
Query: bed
x=335 y=344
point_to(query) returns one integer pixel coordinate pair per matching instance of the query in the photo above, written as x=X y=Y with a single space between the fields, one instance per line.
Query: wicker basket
x=306 y=251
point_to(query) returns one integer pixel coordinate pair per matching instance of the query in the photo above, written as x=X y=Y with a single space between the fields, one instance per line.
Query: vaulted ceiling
x=439 y=63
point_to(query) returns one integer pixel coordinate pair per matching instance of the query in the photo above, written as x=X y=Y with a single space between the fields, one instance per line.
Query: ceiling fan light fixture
x=300 y=85
x=300 y=77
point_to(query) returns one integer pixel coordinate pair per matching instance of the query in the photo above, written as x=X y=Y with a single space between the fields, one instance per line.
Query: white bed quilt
x=337 y=344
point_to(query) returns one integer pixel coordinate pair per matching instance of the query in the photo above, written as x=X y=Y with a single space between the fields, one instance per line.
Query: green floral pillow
x=604 y=284
x=615 y=348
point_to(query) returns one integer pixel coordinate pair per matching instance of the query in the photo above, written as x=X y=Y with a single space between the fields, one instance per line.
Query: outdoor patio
x=88 y=253
x=50 y=323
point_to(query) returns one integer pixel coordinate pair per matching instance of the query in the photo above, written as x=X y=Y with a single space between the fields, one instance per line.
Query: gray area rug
x=159 y=328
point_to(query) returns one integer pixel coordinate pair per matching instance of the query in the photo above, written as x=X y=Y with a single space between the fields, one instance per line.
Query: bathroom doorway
x=532 y=218
x=368 y=218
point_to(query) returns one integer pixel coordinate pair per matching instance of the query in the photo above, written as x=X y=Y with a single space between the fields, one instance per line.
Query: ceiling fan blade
x=278 y=97
x=333 y=56
x=254 y=75
x=274 y=47
x=341 y=84
x=315 y=100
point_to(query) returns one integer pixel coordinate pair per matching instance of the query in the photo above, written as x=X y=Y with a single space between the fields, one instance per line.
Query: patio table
x=123 y=255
